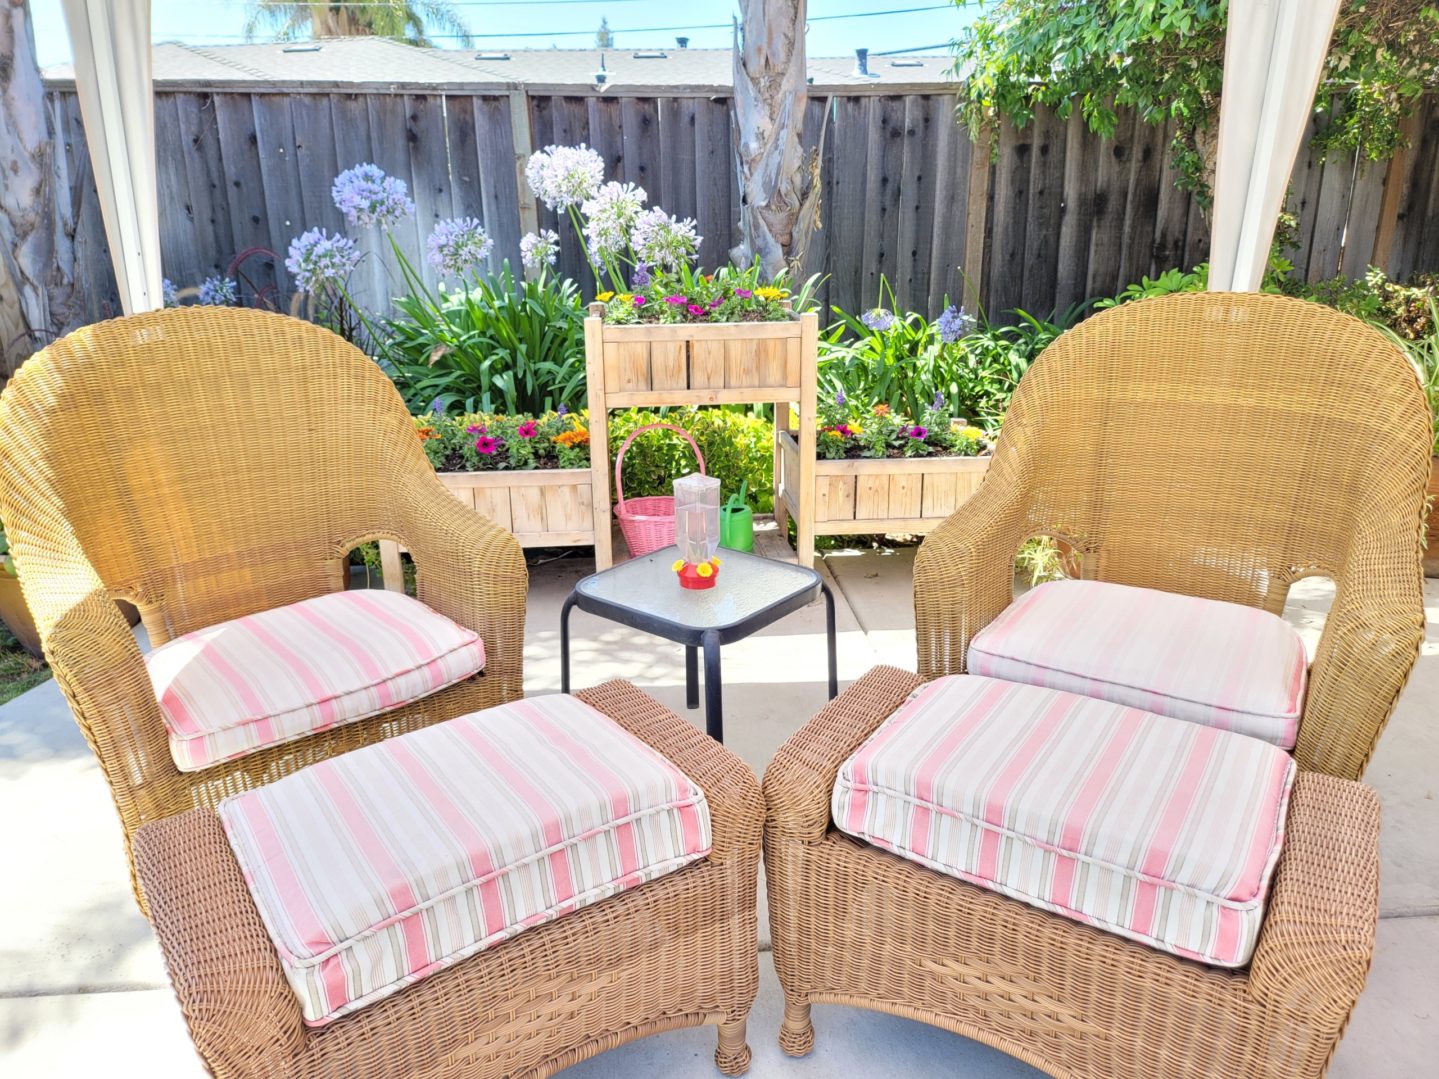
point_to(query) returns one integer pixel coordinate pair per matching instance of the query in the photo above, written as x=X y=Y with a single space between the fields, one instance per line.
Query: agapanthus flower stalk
x=366 y=196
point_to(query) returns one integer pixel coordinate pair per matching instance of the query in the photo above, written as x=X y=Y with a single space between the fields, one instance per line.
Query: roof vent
x=652 y=54
x=906 y=63
x=682 y=42
x=602 y=76
x=861 y=64
x=492 y=56
x=307 y=47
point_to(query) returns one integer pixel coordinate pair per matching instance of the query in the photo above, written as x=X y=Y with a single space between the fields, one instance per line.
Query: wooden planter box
x=543 y=508
x=858 y=497
x=653 y=366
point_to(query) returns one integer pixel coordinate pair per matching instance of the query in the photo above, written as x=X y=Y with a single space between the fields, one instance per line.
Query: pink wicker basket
x=648 y=523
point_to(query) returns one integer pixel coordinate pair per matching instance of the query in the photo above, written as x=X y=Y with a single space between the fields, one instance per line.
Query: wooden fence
x=1056 y=216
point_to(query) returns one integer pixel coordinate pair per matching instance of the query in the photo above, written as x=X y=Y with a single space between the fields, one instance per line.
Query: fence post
x=524 y=147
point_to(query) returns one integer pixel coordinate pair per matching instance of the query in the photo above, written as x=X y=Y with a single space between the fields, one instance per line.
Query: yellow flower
x=704 y=569
x=972 y=433
x=769 y=292
x=625 y=297
x=679 y=564
x=855 y=432
x=604 y=297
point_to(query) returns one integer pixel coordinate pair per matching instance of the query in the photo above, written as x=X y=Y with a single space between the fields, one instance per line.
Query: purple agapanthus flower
x=953 y=323
x=539 y=249
x=437 y=408
x=878 y=318
x=563 y=410
x=169 y=294
x=641 y=277
x=318 y=259
x=840 y=399
x=459 y=244
x=938 y=403
x=366 y=196
x=218 y=291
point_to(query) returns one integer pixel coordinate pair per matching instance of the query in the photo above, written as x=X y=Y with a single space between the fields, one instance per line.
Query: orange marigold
x=426 y=433
x=881 y=410
x=578 y=437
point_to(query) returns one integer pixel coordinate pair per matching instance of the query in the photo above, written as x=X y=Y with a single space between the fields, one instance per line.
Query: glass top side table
x=751 y=593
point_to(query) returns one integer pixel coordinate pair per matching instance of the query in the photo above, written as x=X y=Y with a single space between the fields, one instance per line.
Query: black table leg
x=692 y=676
x=714 y=699
x=565 y=644
x=829 y=640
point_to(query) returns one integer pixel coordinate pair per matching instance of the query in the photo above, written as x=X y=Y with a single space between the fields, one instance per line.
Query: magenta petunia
x=918 y=432
x=639 y=301
x=743 y=293
x=487 y=445
x=695 y=309
x=528 y=429
x=677 y=299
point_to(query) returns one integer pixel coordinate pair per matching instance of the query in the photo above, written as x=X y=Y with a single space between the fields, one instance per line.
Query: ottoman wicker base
x=678 y=951
x=855 y=925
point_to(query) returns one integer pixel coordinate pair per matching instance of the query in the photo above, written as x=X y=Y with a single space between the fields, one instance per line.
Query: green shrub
x=737 y=447
x=496 y=346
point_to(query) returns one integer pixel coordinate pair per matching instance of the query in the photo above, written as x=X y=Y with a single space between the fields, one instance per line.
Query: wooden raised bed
x=543 y=508
x=876 y=495
x=653 y=366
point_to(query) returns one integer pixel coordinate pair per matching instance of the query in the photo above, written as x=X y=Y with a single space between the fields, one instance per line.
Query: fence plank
x=179 y=253
x=1040 y=264
x=369 y=285
x=677 y=155
x=1363 y=218
x=1411 y=253
x=248 y=205
x=713 y=167
x=206 y=191
x=1305 y=184
x=1171 y=216
x=1076 y=225
x=846 y=221
x=425 y=133
x=1141 y=204
x=640 y=118
x=499 y=183
x=951 y=209
x=1010 y=215
x=1330 y=217
x=1110 y=192
x=607 y=134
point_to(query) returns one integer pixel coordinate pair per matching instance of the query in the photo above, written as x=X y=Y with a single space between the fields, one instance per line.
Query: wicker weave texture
x=855 y=925
x=1221 y=445
x=678 y=951
x=207 y=463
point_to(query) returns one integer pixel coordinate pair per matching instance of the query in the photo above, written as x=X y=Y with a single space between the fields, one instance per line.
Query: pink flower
x=696 y=309
x=475 y=429
x=639 y=301
x=843 y=429
x=487 y=445
x=918 y=432
x=676 y=299
x=743 y=293
x=528 y=429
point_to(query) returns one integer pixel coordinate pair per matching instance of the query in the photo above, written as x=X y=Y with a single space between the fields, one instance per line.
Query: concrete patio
x=83 y=990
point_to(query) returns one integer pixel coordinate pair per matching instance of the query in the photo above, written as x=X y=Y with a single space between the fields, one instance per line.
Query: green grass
x=18 y=670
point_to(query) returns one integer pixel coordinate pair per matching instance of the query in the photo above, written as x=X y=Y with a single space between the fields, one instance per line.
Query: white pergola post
x=111 y=43
x=1274 y=54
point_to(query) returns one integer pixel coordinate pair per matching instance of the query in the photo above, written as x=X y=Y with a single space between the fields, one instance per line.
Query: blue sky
x=569 y=23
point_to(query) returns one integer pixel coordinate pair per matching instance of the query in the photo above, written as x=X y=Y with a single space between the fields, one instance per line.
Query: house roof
x=379 y=65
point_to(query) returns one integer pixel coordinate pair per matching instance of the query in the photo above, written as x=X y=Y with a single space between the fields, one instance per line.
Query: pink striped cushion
x=272 y=677
x=379 y=867
x=1158 y=830
x=1220 y=664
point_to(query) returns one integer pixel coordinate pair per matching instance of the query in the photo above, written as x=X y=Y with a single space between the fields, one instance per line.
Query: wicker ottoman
x=855 y=925
x=678 y=951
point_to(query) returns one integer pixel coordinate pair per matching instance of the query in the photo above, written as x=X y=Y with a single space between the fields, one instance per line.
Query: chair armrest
x=1317 y=940
x=470 y=570
x=730 y=787
x=800 y=779
x=964 y=572
x=241 y=1012
x=1370 y=642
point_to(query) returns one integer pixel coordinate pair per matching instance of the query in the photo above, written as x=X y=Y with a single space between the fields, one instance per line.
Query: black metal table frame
x=707 y=640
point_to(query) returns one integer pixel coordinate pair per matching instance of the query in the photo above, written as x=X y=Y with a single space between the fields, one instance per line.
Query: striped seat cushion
x=1158 y=830
x=278 y=675
x=379 y=867
x=1221 y=664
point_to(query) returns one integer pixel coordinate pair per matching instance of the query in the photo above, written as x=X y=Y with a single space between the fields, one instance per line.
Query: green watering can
x=737 y=522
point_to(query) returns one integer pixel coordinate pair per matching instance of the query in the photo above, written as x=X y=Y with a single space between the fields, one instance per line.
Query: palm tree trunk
x=775 y=182
x=37 y=256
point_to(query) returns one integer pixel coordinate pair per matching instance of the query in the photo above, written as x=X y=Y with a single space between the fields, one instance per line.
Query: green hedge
x=736 y=447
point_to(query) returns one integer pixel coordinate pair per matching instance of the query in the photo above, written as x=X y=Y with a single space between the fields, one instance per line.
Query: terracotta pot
x=1431 y=551
x=16 y=615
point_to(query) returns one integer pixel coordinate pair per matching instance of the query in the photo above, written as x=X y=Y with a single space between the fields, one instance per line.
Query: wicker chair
x=1217 y=445
x=204 y=464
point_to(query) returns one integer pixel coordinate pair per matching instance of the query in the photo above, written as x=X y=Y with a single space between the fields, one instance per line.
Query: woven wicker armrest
x=1318 y=935
x=800 y=778
x=731 y=789
x=1371 y=639
x=964 y=571
x=470 y=570
x=241 y=1012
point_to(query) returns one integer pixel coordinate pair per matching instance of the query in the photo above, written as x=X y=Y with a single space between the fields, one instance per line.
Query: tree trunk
x=775 y=181
x=37 y=255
